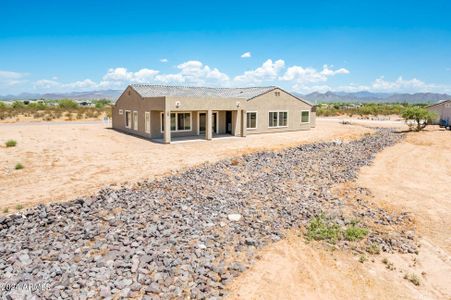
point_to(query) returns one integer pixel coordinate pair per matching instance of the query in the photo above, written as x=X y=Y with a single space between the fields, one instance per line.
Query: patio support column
x=243 y=123
x=167 y=127
x=209 y=125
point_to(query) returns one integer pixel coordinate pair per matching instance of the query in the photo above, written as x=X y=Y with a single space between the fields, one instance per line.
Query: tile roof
x=149 y=90
x=439 y=103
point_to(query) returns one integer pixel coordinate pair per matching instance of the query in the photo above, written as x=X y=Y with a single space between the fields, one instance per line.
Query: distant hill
x=365 y=96
x=89 y=95
x=316 y=97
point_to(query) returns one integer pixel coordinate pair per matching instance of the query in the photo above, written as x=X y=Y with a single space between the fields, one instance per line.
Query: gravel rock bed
x=182 y=236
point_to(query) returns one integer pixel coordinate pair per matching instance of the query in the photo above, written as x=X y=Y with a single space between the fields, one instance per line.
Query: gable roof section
x=148 y=90
x=439 y=103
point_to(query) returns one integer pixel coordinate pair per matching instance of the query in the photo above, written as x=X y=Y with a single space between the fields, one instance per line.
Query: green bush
x=417 y=117
x=11 y=143
x=355 y=233
x=19 y=166
x=67 y=104
x=320 y=229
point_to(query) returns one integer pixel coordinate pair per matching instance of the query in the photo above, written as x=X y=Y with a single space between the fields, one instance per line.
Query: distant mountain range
x=89 y=95
x=365 y=96
x=315 y=97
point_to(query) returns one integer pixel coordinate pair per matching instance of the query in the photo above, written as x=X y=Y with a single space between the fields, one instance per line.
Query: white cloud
x=196 y=73
x=123 y=75
x=246 y=55
x=402 y=85
x=268 y=71
x=303 y=75
x=164 y=60
x=9 y=78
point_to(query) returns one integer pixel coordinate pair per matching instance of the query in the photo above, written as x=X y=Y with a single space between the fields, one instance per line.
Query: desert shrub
x=373 y=249
x=67 y=104
x=5 y=210
x=412 y=278
x=355 y=233
x=19 y=166
x=19 y=206
x=320 y=229
x=18 y=105
x=79 y=115
x=102 y=103
x=10 y=143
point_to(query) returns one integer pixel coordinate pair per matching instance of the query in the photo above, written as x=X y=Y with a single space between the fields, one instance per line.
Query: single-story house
x=443 y=111
x=164 y=112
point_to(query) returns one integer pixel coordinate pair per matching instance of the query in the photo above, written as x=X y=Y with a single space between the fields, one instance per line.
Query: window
x=179 y=121
x=278 y=119
x=121 y=112
x=128 y=119
x=135 y=120
x=251 y=120
x=147 y=119
x=183 y=121
x=277 y=94
x=305 y=116
x=283 y=118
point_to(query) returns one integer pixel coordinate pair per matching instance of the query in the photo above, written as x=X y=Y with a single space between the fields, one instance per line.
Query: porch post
x=209 y=125
x=243 y=123
x=167 y=127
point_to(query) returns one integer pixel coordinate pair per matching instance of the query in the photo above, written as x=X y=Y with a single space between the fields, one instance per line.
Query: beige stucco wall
x=134 y=102
x=285 y=102
x=443 y=111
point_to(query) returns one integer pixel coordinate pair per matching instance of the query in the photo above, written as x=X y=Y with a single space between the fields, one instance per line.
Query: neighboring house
x=442 y=110
x=150 y=110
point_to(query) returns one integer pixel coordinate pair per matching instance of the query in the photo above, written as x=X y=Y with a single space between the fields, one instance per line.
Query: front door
x=203 y=122
x=228 y=122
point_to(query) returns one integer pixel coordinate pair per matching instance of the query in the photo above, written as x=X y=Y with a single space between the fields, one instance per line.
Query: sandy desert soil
x=413 y=176
x=64 y=160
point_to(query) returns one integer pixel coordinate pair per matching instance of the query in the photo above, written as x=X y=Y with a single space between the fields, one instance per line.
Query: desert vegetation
x=363 y=110
x=417 y=118
x=65 y=109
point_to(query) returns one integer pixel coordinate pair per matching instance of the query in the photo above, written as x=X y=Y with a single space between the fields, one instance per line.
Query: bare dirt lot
x=413 y=176
x=64 y=160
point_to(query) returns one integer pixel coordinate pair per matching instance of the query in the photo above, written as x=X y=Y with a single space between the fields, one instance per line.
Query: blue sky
x=304 y=46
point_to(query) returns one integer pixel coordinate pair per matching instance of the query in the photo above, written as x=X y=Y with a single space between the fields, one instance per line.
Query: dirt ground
x=413 y=176
x=63 y=160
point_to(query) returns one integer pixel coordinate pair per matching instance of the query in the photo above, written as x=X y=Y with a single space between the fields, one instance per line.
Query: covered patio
x=182 y=125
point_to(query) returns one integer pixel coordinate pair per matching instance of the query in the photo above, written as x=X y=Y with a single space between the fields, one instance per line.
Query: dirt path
x=413 y=176
x=71 y=160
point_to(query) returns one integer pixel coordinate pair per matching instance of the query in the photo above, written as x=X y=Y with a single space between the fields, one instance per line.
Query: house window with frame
x=305 y=116
x=278 y=119
x=135 y=120
x=128 y=119
x=179 y=121
x=251 y=120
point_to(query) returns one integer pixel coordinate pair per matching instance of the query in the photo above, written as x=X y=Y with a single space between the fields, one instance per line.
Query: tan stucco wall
x=285 y=102
x=443 y=111
x=134 y=102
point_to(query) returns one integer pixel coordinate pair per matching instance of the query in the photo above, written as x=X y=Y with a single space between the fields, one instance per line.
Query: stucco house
x=165 y=112
x=442 y=110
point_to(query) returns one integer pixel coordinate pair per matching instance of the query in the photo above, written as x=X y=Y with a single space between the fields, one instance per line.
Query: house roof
x=149 y=90
x=440 y=103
